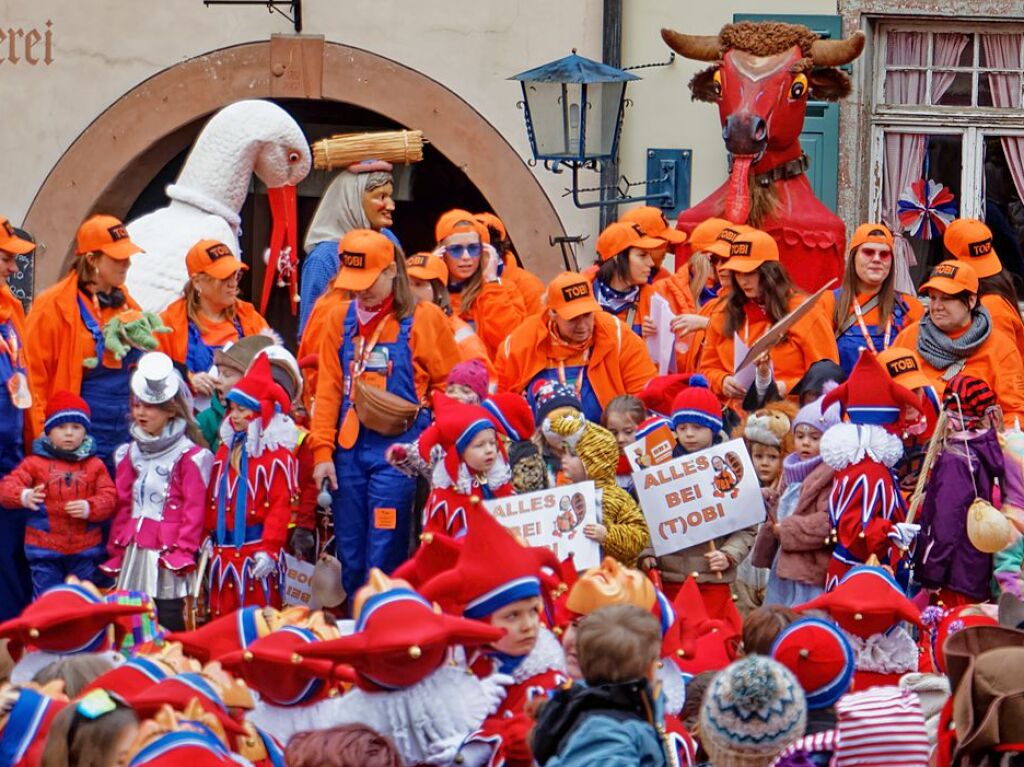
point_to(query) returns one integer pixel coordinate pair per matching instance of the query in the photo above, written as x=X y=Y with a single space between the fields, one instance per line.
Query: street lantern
x=574 y=108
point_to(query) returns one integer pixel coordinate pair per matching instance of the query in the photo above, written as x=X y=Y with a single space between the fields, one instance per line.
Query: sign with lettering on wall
x=21 y=46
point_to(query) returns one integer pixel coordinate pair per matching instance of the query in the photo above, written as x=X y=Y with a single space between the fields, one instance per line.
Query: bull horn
x=834 y=53
x=696 y=47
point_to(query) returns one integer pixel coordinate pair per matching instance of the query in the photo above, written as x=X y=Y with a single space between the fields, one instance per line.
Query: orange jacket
x=810 y=340
x=310 y=342
x=527 y=284
x=471 y=347
x=827 y=303
x=1005 y=318
x=497 y=311
x=175 y=316
x=10 y=305
x=998 y=363
x=675 y=289
x=59 y=341
x=618 y=362
x=434 y=352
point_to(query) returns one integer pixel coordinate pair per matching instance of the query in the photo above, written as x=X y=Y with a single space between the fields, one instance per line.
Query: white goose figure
x=241 y=139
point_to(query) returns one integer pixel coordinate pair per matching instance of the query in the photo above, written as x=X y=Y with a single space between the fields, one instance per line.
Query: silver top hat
x=155 y=380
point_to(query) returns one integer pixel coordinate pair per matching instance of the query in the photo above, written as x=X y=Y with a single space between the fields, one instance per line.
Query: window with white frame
x=947 y=131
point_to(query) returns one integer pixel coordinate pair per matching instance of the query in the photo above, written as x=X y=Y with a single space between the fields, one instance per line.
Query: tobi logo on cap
x=9 y=229
x=728 y=235
x=575 y=291
x=220 y=250
x=740 y=249
x=978 y=249
x=901 y=365
x=353 y=260
x=117 y=233
x=418 y=261
x=946 y=270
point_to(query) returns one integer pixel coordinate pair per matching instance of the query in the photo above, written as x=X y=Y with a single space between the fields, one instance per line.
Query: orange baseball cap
x=750 y=249
x=107 y=235
x=878 y=233
x=427 y=266
x=489 y=219
x=722 y=244
x=456 y=221
x=364 y=254
x=652 y=222
x=622 y=236
x=706 y=232
x=904 y=367
x=10 y=242
x=969 y=240
x=214 y=258
x=571 y=295
x=952 y=277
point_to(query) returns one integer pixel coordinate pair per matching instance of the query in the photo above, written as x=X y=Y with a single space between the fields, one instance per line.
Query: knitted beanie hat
x=697 y=404
x=753 y=709
x=65 y=407
x=547 y=396
x=812 y=415
x=473 y=375
x=594 y=444
x=970 y=397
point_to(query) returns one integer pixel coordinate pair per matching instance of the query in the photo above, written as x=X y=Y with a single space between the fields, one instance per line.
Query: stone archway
x=113 y=160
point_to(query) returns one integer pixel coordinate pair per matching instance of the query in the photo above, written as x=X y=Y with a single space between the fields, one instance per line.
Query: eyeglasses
x=458 y=252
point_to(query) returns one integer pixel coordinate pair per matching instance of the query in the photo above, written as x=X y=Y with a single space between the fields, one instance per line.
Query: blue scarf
x=506 y=663
x=615 y=301
x=242 y=498
x=44 y=447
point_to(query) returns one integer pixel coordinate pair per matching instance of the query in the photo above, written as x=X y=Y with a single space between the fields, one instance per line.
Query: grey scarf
x=941 y=352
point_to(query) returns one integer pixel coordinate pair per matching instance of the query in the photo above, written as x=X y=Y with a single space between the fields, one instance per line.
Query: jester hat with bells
x=870 y=397
x=493 y=570
x=69 y=618
x=454 y=428
x=235 y=631
x=258 y=391
x=399 y=639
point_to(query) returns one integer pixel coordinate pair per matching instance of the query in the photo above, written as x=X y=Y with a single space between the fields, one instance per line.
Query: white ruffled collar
x=846 y=444
x=499 y=475
x=894 y=652
x=547 y=655
x=281 y=431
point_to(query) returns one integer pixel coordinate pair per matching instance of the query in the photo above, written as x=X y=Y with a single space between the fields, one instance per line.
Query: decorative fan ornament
x=925 y=209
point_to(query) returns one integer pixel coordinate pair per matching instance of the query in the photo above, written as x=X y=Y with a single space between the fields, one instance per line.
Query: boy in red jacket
x=67 y=491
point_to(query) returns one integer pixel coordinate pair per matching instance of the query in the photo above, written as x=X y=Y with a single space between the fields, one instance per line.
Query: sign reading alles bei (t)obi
x=701 y=496
x=553 y=518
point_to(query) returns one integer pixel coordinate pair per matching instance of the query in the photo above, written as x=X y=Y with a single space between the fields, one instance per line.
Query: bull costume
x=250 y=495
x=866 y=508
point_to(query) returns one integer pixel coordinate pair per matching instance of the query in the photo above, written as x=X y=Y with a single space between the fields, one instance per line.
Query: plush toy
x=130 y=329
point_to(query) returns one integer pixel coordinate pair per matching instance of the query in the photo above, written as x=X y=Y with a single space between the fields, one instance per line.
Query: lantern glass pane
x=603 y=101
x=555 y=113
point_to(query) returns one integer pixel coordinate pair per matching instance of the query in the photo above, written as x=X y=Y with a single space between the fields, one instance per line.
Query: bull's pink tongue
x=737 y=194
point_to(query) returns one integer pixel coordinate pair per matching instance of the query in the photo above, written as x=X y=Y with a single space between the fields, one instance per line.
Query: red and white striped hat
x=882 y=726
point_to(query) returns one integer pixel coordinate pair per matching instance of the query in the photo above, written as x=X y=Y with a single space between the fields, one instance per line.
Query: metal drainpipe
x=611 y=54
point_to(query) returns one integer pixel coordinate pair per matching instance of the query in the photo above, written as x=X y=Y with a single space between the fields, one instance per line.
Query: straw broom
x=926 y=466
x=340 y=151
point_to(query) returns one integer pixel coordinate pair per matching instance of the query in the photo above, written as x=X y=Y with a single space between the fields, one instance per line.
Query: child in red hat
x=468 y=463
x=68 y=493
x=250 y=493
x=497 y=581
x=697 y=422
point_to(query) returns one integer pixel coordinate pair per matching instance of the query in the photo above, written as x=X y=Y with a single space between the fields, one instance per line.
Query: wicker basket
x=401 y=147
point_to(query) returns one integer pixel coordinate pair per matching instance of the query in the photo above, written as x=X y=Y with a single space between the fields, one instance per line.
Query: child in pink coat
x=161 y=480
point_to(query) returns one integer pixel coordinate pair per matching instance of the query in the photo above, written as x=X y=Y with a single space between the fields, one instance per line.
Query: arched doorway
x=118 y=156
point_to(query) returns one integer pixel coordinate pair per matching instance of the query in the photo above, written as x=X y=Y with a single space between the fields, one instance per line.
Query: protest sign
x=655 y=448
x=553 y=518
x=700 y=496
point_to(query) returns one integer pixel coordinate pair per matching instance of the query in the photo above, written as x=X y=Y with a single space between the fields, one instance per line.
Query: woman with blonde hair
x=209 y=313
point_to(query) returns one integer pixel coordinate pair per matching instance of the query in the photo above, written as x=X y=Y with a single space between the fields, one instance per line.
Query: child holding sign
x=590 y=451
x=697 y=421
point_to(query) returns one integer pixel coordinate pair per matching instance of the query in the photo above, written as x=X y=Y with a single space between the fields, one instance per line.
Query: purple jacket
x=179 y=533
x=944 y=556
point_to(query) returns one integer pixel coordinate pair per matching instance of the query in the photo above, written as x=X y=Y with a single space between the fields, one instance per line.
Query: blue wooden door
x=820 y=137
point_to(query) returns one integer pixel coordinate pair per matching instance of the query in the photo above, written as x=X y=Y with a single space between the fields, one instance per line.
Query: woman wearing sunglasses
x=209 y=314
x=867 y=310
x=493 y=308
x=97 y=730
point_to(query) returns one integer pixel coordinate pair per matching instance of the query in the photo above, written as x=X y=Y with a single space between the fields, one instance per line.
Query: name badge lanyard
x=887 y=337
x=578 y=383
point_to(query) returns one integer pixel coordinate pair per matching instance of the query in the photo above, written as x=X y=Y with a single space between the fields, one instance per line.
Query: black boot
x=171 y=613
